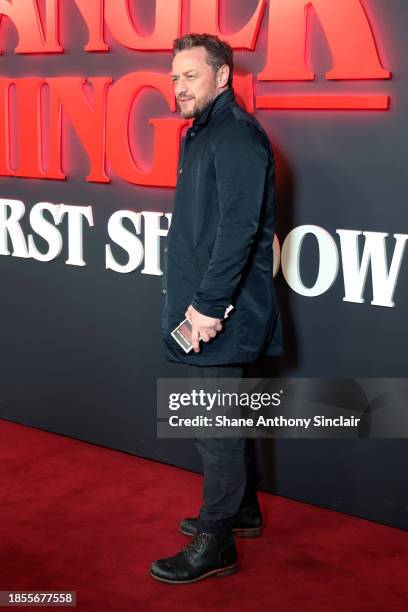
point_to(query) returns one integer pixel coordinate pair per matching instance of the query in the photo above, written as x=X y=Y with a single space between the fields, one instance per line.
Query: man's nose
x=180 y=87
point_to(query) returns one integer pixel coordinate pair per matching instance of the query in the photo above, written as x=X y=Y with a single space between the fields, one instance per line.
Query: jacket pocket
x=164 y=277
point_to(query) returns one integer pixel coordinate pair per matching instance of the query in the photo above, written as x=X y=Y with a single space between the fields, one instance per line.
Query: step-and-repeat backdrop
x=89 y=144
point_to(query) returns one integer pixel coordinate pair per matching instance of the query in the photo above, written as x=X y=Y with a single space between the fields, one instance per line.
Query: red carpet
x=75 y=516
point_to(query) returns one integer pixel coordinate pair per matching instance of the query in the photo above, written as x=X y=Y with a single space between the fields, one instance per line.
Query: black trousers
x=230 y=467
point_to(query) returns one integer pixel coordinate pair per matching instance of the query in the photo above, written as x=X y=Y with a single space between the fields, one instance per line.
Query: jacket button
x=165 y=249
x=181 y=170
x=164 y=291
x=192 y=134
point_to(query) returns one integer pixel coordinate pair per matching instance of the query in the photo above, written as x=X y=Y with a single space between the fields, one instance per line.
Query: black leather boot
x=207 y=554
x=247 y=523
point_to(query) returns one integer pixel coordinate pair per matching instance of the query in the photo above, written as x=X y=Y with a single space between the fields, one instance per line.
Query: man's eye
x=191 y=76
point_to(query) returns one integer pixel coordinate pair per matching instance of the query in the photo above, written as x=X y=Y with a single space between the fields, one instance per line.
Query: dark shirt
x=219 y=249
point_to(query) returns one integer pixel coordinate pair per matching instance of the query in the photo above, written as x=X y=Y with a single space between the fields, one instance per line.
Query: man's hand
x=203 y=327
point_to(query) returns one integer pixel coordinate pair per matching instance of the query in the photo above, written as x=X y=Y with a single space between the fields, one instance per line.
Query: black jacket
x=219 y=245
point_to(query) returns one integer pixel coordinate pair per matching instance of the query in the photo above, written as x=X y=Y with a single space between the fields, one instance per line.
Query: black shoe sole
x=225 y=571
x=252 y=532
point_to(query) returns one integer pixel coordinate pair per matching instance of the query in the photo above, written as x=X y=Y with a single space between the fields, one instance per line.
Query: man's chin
x=188 y=114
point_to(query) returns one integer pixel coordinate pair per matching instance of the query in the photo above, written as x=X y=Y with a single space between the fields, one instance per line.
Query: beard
x=199 y=105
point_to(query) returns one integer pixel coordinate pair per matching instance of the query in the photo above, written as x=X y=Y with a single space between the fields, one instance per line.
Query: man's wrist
x=213 y=311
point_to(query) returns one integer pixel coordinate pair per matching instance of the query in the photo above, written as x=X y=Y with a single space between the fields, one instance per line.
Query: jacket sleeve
x=241 y=167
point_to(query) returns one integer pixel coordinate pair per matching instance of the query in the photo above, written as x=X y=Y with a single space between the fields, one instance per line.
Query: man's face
x=194 y=81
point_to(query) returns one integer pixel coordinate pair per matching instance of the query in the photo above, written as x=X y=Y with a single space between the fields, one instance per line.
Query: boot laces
x=195 y=546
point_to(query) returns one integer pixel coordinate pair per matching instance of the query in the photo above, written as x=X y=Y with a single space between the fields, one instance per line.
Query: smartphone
x=183 y=332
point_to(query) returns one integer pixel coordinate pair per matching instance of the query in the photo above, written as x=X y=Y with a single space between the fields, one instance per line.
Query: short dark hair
x=219 y=52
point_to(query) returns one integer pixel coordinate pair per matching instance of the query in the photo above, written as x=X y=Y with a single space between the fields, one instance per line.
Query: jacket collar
x=222 y=100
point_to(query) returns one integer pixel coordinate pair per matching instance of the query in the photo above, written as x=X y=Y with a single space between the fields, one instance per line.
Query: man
x=219 y=253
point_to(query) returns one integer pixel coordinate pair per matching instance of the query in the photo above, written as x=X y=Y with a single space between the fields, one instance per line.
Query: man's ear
x=223 y=75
